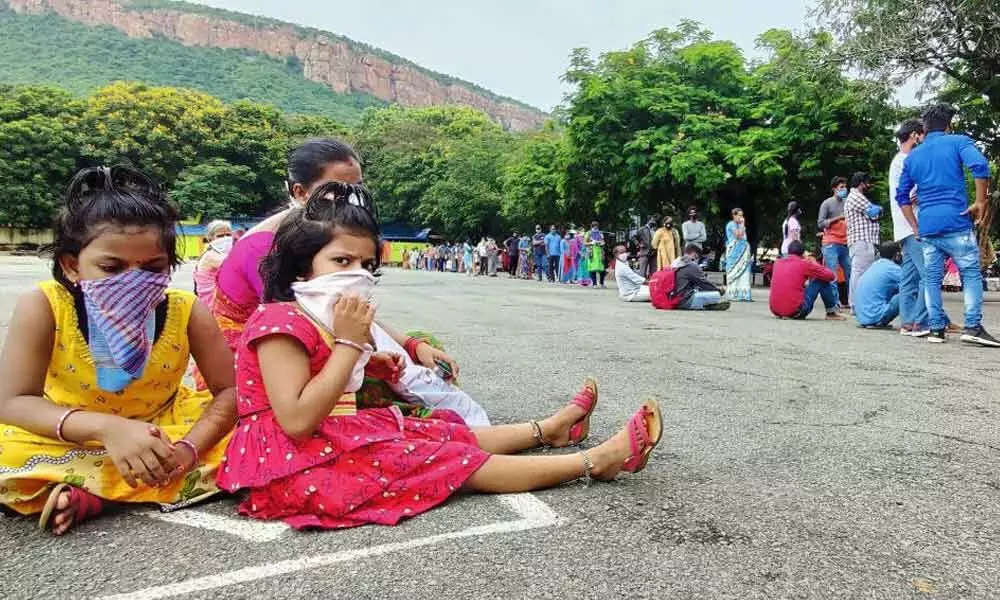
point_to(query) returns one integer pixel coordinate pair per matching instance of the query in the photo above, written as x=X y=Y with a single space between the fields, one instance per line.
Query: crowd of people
x=309 y=408
x=571 y=256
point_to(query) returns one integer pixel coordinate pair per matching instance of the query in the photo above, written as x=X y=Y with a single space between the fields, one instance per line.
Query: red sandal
x=87 y=505
x=645 y=429
x=587 y=400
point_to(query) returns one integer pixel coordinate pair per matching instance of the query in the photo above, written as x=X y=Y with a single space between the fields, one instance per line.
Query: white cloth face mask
x=318 y=296
x=222 y=245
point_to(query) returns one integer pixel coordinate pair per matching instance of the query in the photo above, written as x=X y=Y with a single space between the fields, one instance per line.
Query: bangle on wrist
x=360 y=348
x=411 y=346
x=62 y=422
x=190 y=446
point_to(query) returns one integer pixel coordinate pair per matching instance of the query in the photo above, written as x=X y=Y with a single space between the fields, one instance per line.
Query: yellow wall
x=392 y=252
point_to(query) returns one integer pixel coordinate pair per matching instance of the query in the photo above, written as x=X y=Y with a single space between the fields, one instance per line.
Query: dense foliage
x=678 y=119
x=50 y=50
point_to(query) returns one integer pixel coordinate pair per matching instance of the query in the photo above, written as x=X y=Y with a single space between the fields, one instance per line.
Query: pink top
x=239 y=276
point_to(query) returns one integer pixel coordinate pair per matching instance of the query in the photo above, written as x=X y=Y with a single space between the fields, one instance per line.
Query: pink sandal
x=645 y=429
x=87 y=505
x=587 y=400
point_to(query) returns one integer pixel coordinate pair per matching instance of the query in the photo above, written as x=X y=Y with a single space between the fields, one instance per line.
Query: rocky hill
x=344 y=66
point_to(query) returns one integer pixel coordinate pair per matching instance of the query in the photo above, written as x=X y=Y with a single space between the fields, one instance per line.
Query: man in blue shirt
x=876 y=300
x=553 y=247
x=946 y=226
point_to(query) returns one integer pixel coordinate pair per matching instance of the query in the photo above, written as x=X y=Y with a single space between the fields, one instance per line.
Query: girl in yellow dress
x=92 y=408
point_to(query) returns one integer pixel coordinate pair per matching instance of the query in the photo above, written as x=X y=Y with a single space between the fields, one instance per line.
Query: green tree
x=953 y=44
x=39 y=147
x=534 y=180
x=406 y=152
x=157 y=129
x=215 y=188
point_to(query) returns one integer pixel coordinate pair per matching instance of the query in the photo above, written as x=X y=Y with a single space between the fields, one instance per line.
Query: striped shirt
x=860 y=227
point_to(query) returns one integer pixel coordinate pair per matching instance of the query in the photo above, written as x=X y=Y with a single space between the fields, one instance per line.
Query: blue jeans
x=887 y=313
x=912 y=301
x=541 y=264
x=961 y=246
x=817 y=288
x=699 y=300
x=833 y=255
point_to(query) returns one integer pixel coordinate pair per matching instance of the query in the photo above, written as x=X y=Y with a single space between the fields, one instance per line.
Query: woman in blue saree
x=739 y=261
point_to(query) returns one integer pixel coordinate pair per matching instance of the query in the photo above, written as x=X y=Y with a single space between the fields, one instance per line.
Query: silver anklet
x=588 y=468
x=536 y=432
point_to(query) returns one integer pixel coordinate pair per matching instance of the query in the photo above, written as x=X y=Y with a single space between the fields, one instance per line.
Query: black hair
x=307 y=162
x=305 y=231
x=938 y=117
x=888 y=250
x=908 y=128
x=793 y=209
x=118 y=196
x=797 y=248
x=859 y=178
x=692 y=249
x=736 y=211
x=837 y=181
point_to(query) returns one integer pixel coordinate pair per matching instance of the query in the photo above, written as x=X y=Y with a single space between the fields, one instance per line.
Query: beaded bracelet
x=190 y=446
x=62 y=421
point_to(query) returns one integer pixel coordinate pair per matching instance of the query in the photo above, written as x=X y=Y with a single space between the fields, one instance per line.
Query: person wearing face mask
x=667 y=243
x=538 y=252
x=739 y=259
x=93 y=408
x=692 y=286
x=632 y=287
x=832 y=223
x=239 y=286
x=219 y=237
x=646 y=251
x=553 y=251
x=594 y=244
x=863 y=229
x=791 y=229
x=694 y=230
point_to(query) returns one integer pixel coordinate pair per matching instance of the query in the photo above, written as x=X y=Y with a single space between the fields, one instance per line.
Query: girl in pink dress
x=303 y=452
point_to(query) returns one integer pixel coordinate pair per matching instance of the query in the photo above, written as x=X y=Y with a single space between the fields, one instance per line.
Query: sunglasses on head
x=339 y=193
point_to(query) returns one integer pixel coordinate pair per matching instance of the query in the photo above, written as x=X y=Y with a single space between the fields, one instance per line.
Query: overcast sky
x=520 y=48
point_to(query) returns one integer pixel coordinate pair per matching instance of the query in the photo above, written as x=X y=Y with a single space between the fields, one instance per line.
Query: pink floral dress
x=375 y=466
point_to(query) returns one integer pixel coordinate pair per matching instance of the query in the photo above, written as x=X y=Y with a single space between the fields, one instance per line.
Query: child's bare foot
x=69 y=506
x=571 y=424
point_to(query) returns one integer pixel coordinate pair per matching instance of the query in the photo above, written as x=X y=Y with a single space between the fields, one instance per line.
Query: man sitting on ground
x=796 y=282
x=877 y=301
x=691 y=283
x=631 y=286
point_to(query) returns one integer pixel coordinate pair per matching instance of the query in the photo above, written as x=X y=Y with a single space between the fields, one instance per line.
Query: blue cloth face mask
x=841 y=194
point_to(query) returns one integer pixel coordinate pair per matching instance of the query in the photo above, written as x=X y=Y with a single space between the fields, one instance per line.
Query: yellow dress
x=30 y=464
x=665 y=244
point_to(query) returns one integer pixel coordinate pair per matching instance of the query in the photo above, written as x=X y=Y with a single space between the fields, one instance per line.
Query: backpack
x=661 y=290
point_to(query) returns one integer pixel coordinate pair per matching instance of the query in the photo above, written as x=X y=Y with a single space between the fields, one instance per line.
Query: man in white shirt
x=631 y=286
x=912 y=301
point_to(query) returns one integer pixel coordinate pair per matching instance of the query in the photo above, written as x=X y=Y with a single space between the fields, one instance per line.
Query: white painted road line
x=248 y=529
x=534 y=514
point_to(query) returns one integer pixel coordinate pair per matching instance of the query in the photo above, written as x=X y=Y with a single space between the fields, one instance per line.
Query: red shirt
x=790 y=276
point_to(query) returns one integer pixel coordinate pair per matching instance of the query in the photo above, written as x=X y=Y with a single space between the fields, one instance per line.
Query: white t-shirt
x=629 y=282
x=900 y=227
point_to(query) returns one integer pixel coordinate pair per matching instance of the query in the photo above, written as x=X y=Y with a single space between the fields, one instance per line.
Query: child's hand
x=140 y=452
x=352 y=318
x=387 y=366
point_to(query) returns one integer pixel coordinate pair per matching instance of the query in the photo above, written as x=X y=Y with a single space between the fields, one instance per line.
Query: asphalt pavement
x=800 y=460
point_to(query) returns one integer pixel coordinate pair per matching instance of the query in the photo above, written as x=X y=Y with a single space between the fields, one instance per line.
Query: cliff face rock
x=325 y=59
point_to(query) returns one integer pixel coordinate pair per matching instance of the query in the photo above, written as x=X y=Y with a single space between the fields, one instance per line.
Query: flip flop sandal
x=588 y=402
x=87 y=504
x=645 y=429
